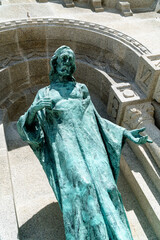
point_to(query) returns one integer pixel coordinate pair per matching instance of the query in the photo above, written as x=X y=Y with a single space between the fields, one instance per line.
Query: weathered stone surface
x=31 y=33
x=8 y=223
x=121 y=95
x=38 y=71
x=42 y=1
x=97 y=5
x=32 y=39
x=124 y=7
x=138 y=114
x=8 y=37
x=141 y=115
x=157 y=113
x=148 y=162
x=145 y=192
x=19 y=74
x=156 y=95
x=147 y=74
x=136 y=5
x=5 y=87
x=15 y=108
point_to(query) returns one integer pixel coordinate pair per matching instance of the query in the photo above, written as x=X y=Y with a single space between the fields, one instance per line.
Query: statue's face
x=65 y=63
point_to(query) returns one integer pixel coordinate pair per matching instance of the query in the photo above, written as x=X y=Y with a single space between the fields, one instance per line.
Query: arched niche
x=103 y=56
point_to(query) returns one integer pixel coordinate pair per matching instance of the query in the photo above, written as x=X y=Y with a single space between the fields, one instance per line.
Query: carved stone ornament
x=136 y=115
x=156 y=95
x=120 y=96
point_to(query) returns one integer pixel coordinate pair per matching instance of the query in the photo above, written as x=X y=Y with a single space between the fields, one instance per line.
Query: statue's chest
x=66 y=93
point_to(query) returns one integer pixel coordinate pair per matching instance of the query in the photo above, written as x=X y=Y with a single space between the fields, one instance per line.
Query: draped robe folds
x=80 y=154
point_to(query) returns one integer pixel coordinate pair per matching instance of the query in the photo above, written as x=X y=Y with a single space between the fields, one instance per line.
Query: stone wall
x=103 y=56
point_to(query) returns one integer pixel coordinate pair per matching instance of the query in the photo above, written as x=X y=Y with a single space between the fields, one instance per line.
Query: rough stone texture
x=19 y=76
x=5 y=87
x=147 y=75
x=121 y=95
x=42 y=1
x=38 y=71
x=141 y=115
x=148 y=162
x=124 y=7
x=100 y=48
x=145 y=192
x=157 y=113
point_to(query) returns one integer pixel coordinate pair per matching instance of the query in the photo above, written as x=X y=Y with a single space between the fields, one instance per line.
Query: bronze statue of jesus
x=79 y=152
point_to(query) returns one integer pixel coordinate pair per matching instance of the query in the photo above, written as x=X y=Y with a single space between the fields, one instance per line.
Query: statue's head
x=62 y=64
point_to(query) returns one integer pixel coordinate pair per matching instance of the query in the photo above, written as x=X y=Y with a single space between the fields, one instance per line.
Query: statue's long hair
x=53 y=64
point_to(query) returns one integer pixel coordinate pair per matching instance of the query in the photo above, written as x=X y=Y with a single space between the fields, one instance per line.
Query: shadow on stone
x=131 y=205
x=46 y=224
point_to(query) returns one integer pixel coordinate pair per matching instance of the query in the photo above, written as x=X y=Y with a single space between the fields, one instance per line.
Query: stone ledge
x=8 y=220
x=145 y=157
x=142 y=187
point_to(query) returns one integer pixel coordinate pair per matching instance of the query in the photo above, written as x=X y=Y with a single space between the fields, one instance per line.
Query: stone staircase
x=143 y=177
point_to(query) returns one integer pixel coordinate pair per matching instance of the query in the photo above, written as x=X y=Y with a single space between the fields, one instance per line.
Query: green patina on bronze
x=79 y=152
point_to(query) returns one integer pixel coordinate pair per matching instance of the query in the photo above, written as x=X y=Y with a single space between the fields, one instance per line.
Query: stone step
x=142 y=186
x=148 y=162
x=140 y=227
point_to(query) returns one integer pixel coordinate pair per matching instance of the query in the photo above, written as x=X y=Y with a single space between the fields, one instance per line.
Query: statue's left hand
x=135 y=137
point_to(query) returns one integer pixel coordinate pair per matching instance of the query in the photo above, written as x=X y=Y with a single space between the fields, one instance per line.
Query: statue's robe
x=80 y=154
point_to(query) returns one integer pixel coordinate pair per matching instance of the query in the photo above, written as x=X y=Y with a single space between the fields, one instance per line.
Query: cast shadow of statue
x=136 y=168
x=131 y=205
x=46 y=224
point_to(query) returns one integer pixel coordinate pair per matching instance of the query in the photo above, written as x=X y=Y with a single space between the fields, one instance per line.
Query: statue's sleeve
x=33 y=133
x=113 y=138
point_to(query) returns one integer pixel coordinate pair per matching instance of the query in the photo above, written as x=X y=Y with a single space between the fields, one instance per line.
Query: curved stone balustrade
x=27 y=45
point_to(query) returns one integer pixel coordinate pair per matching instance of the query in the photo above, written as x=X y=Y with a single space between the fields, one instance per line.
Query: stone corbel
x=142 y=115
x=3 y=115
x=124 y=7
x=97 y=5
x=120 y=96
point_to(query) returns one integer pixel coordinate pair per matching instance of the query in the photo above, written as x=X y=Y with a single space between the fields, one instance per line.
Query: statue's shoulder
x=43 y=91
x=83 y=87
